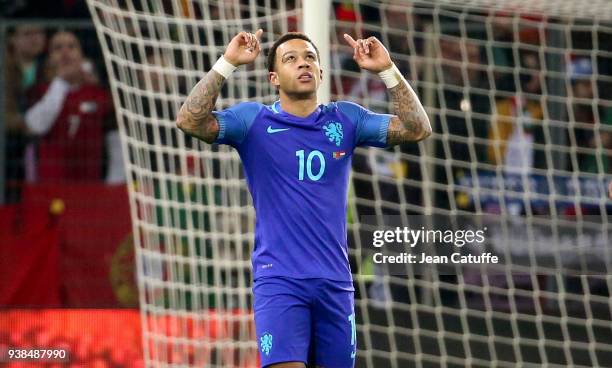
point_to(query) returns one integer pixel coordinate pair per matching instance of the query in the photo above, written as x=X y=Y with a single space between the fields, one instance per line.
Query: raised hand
x=243 y=48
x=71 y=71
x=370 y=54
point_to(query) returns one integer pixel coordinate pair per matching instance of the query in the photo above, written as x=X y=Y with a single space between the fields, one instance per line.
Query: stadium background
x=66 y=249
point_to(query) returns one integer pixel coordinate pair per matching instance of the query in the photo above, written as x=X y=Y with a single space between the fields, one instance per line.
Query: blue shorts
x=305 y=320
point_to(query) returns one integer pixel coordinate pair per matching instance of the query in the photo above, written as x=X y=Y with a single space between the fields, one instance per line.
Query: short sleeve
x=371 y=128
x=235 y=122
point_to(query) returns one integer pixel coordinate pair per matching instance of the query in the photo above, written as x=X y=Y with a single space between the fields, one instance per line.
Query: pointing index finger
x=350 y=40
x=259 y=33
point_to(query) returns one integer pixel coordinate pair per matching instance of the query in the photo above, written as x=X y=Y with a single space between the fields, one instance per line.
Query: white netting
x=519 y=96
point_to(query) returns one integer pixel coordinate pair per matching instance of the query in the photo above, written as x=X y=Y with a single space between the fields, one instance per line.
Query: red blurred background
x=67 y=274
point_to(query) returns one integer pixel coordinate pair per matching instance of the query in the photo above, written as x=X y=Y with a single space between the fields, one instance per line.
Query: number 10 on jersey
x=312 y=176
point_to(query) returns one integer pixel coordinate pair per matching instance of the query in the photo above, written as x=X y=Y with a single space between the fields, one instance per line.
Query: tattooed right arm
x=195 y=116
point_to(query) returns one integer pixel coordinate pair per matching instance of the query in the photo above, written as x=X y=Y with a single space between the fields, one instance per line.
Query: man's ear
x=273 y=77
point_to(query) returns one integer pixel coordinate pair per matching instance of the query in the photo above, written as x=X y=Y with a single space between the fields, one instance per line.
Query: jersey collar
x=276 y=108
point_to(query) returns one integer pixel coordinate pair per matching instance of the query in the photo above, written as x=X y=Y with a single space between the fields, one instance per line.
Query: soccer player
x=297 y=157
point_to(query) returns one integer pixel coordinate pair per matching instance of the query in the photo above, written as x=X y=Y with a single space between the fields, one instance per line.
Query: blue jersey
x=297 y=170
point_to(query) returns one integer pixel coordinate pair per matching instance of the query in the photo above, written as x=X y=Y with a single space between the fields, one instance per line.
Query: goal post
x=519 y=95
x=319 y=32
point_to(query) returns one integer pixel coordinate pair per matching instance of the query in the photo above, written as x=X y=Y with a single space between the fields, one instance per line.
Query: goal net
x=519 y=95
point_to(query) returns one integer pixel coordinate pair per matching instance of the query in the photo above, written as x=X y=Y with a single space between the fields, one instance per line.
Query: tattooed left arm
x=411 y=123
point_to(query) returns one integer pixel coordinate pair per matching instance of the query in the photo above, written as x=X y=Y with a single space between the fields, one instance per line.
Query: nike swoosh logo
x=272 y=130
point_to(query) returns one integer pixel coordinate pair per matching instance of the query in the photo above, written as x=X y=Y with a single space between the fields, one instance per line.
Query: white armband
x=391 y=77
x=224 y=67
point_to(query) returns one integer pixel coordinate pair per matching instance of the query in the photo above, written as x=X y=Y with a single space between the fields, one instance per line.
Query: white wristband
x=391 y=77
x=224 y=67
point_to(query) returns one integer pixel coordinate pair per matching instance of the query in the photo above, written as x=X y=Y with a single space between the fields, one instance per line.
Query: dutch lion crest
x=333 y=131
x=266 y=343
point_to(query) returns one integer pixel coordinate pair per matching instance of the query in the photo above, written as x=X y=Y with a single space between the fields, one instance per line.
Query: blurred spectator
x=456 y=55
x=462 y=111
x=347 y=21
x=507 y=32
x=360 y=86
x=516 y=129
x=158 y=127
x=90 y=74
x=584 y=117
x=70 y=118
x=45 y=9
x=501 y=51
x=158 y=81
x=24 y=68
x=402 y=34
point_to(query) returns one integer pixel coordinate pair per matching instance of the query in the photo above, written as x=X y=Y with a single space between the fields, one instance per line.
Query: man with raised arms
x=297 y=158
